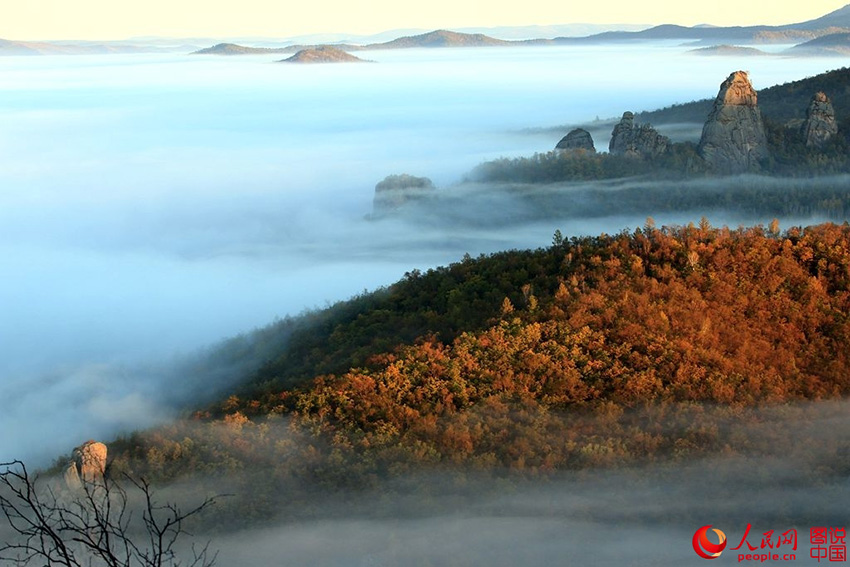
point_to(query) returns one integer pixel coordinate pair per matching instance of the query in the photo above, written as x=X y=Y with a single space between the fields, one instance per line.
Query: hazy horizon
x=103 y=20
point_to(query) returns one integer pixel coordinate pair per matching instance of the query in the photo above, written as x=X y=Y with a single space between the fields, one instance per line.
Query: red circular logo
x=705 y=548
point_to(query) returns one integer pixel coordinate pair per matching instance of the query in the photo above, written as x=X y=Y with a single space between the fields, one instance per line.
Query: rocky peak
x=628 y=139
x=733 y=138
x=628 y=119
x=578 y=139
x=819 y=126
x=737 y=90
x=87 y=464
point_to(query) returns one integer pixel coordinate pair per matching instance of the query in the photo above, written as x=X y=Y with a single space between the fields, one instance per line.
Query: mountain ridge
x=780 y=103
x=837 y=21
x=832 y=23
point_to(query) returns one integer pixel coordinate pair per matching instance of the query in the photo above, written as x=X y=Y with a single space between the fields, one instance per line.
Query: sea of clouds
x=153 y=204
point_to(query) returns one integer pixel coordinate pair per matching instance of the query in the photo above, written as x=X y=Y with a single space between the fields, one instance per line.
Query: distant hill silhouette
x=322 y=54
x=441 y=38
x=729 y=50
x=832 y=44
x=235 y=49
x=839 y=18
x=834 y=22
x=8 y=47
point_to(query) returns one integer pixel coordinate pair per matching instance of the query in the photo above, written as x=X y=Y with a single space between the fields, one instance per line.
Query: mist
x=151 y=205
x=782 y=468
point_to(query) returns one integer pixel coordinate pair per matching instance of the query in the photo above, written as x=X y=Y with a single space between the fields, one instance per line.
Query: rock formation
x=72 y=477
x=396 y=190
x=628 y=139
x=87 y=464
x=577 y=139
x=820 y=125
x=733 y=138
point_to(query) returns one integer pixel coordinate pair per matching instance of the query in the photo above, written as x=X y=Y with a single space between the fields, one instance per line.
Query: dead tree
x=99 y=524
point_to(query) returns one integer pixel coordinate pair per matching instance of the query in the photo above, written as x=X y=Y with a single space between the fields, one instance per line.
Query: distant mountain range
x=438 y=38
x=835 y=23
x=75 y=48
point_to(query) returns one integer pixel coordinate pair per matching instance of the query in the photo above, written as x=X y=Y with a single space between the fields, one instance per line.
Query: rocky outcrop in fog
x=396 y=190
x=733 y=138
x=87 y=464
x=578 y=139
x=820 y=125
x=629 y=139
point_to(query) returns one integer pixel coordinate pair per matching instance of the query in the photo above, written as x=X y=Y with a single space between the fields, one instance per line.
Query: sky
x=108 y=19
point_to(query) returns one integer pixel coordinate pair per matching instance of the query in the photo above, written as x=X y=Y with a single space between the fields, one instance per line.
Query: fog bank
x=793 y=476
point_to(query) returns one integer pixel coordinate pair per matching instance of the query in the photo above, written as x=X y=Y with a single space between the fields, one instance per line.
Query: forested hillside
x=779 y=103
x=598 y=351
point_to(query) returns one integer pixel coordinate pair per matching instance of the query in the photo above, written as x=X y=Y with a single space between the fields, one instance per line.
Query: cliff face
x=578 y=139
x=629 y=139
x=733 y=138
x=820 y=125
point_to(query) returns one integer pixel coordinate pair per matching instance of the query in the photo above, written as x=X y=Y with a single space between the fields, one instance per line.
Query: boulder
x=819 y=126
x=578 y=139
x=733 y=138
x=631 y=140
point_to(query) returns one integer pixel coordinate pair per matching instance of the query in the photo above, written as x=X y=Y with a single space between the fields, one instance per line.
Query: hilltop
x=441 y=38
x=729 y=51
x=234 y=49
x=837 y=44
x=322 y=54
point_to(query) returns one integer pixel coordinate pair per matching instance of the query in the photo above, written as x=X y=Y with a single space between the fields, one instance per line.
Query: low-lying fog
x=154 y=204
x=791 y=475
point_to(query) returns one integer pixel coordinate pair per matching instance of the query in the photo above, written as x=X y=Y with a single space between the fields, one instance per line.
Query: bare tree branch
x=94 y=525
